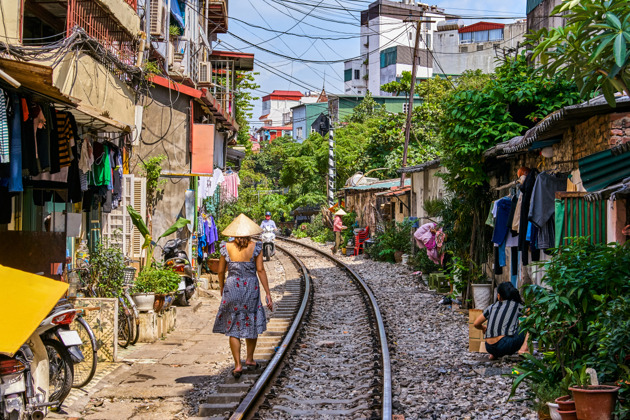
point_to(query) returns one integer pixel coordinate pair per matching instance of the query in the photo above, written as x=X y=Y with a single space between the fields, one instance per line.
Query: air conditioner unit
x=157 y=18
x=205 y=72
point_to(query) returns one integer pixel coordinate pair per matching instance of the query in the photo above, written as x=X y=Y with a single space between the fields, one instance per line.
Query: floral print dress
x=241 y=313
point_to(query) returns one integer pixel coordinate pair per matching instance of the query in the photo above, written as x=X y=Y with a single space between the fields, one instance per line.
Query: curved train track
x=333 y=360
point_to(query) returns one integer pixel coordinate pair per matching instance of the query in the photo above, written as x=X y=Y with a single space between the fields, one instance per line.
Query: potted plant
x=143 y=291
x=592 y=401
x=213 y=260
x=545 y=384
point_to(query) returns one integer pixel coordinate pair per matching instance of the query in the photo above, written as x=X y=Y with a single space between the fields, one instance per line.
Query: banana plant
x=149 y=244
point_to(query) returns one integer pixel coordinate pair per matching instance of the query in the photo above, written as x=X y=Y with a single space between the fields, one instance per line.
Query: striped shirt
x=502 y=318
x=4 y=130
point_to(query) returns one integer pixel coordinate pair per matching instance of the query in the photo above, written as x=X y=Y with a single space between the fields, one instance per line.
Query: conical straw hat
x=340 y=212
x=242 y=226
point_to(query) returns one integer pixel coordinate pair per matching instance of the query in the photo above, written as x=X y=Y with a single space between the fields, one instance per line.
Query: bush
x=107 y=270
x=582 y=318
x=156 y=280
x=396 y=237
x=421 y=261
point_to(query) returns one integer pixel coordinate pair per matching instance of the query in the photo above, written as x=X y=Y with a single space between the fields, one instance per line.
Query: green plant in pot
x=592 y=402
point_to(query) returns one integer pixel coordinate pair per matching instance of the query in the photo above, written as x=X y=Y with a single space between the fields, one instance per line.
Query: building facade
x=446 y=46
x=539 y=15
x=458 y=48
x=387 y=41
x=130 y=80
x=303 y=117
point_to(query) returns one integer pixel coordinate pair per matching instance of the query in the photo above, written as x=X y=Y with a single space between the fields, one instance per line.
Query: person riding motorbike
x=268 y=222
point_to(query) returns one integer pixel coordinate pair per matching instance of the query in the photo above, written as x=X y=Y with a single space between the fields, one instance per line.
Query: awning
x=86 y=115
x=242 y=61
x=36 y=79
x=602 y=169
x=177 y=14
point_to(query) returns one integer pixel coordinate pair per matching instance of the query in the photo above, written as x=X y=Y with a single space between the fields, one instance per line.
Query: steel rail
x=249 y=402
x=387 y=371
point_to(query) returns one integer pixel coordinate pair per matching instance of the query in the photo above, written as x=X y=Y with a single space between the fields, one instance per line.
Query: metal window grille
x=99 y=24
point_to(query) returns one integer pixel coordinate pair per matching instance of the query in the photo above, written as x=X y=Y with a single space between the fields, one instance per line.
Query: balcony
x=111 y=22
x=214 y=16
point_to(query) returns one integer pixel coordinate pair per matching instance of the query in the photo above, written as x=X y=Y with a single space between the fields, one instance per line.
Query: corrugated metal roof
x=556 y=123
x=381 y=185
x=419 y=168
x=602 y=169
x=621 y=188
x=481 y=26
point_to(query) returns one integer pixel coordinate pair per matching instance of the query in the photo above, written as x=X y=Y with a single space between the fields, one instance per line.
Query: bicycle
x=126 y=318
x=84 y=371
x=129 y=276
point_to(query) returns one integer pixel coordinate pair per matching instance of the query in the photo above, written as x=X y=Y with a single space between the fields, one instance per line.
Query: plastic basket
x=129 y=275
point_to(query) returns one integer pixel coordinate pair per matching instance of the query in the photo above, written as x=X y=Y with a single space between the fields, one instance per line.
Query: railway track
x=332 y=361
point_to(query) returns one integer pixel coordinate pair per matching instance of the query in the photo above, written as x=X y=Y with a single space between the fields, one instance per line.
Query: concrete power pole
x=411 y=93
x=332 y=171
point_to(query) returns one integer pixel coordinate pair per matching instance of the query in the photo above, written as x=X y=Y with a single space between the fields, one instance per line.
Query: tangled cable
x=77 y=40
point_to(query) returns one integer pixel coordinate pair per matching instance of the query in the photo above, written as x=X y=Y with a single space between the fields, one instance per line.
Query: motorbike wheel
x=61 y=371
x=182 y=299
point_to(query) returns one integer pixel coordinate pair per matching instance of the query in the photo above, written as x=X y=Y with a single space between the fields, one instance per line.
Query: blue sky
x=329 y=20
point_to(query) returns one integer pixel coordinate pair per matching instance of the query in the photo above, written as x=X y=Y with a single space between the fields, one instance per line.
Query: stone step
x=207 y=410
x=225 y=398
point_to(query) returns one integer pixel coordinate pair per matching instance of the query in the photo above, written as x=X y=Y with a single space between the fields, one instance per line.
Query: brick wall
x=619 y=128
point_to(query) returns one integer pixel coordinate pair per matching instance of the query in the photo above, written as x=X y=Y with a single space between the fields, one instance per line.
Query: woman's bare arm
x=222 y=268
x=262 y=275
x=479 y=323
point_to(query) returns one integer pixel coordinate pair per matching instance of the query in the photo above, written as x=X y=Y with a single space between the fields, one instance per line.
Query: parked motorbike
x=177 y=259
x=269 y=248
x=62 y=346
x=24 y=367
x=24 y=382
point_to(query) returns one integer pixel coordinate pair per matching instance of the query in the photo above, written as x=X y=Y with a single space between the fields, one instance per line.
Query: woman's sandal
x=237 y=373
x=253 y=367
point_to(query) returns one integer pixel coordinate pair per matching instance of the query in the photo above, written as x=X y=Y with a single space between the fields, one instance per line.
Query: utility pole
x=331 y=165
x=411 y=93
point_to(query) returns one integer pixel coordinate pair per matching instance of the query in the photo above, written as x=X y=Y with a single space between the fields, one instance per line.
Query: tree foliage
x=480 y=115
x=591 y=49
x=399 y=86
x=243 y=98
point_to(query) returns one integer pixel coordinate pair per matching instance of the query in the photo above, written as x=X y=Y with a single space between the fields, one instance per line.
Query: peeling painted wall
x=166 y=131
x=89 y=81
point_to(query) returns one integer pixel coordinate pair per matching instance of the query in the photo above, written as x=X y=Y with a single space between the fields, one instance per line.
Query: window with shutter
x=118 y=229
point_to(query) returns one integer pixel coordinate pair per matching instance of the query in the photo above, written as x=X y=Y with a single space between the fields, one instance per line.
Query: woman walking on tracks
x=241 y=314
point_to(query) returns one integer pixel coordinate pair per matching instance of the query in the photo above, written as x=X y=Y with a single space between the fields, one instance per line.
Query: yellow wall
x=10 y=18
x=90 y=82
